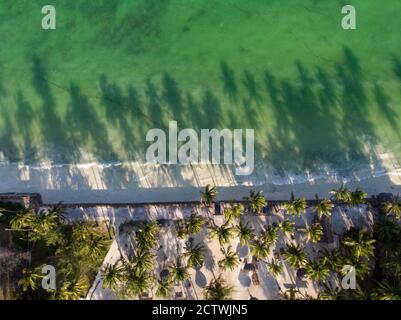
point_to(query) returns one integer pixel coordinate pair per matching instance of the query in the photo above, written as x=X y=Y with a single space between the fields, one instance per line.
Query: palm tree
x=234 y=212
x=287 y=227
x=230 y=260
x=295 y=255
x=95 y=246
x=82 y=231
x=56 y=212
x=194 y=224
x=358 y=197
x=390 y=262
x=142 y=260
x=386 y=231
x=259 y=249
x=361 y=293
x=333 y=259
x=44 y=222
x=341 y=194
x=256 y=201
x=393 y=207
x=317 y=271
x=178 y=272
x=209 y=195
x=390 y=290
x=138 y=284
x=323 y=207
x=359 y=242
x=147 y=235
x=72 y=289
x=245 y=233
x=223 y=233
x=275 y=267
x=195 y=255
x=362 y=266
x=163 y=288
x=314 y=232
x=23 y=219
x=269 y=235
x=295 y=206
x=111 y=275
x=218 y=290
x=181 y=229
x=29 y=280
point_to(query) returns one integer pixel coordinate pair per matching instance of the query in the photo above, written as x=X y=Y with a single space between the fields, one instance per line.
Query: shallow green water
x=114 y=69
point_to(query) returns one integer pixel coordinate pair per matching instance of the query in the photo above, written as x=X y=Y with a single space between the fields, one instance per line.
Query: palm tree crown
x=295 y=206
x=147 y=235
x=245 y=233
x=194 y=224
x=218 y=290
x=360 y=243
x=393 y=207
x=323 y=207
x=287 y=227
x=269 y=235
x=275 y=267
x=195 y=255
x=230 y=260
x=295 y=255
x=209 y=195
x=315 y=232
x=111 y=275
x=234 y=212
x=358 y=197
x=29 y=280
x=223 y=233
x=256 y=201
x=317 y=271
x=178 y=272
x=341 y=194
x=259 y=249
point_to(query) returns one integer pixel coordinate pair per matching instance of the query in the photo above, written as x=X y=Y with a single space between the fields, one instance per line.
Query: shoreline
x=88 y=185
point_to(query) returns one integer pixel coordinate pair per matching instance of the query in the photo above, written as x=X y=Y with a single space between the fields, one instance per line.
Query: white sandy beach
x=170 y=247
x=133 y=182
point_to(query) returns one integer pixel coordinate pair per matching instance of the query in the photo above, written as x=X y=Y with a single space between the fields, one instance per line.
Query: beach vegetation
x=295 y=206
x=209 y=195
x=245 y=233
x=314 y=232
x=275 y=267
x=256 y=202
x=195 y=255
x=230 y=259
x=323 y=207
x=234 y=212
x=223 y=233
x=218 y=289
x=295 y=255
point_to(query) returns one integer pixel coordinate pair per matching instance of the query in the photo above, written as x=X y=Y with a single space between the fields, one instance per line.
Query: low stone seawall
x=34 y=200
x=27 y=200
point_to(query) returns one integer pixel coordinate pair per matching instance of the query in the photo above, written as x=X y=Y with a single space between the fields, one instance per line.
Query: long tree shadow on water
x=54 y=131
x=26 y=117
x=87 y=131
x=321 y=120
x=318 y=118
